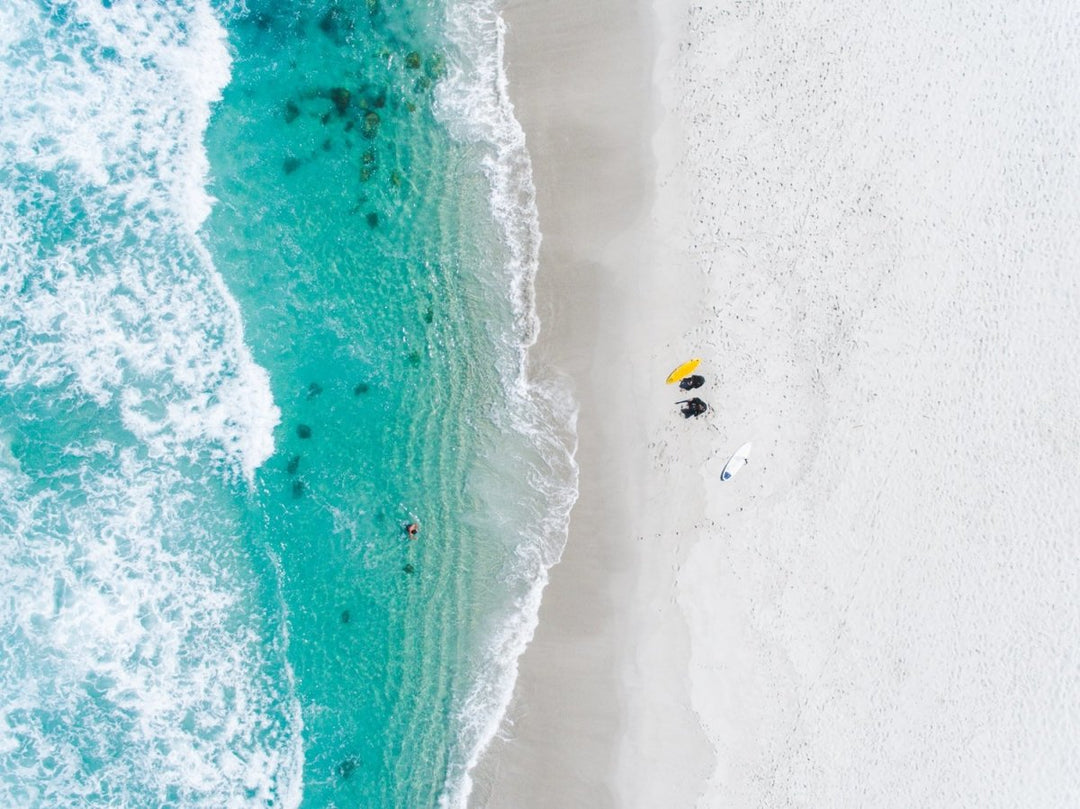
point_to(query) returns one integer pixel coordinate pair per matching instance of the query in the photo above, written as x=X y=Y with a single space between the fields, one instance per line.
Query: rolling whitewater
x=267 y=298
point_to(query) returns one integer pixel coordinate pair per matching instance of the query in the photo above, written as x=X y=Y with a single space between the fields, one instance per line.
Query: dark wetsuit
x=693 y=407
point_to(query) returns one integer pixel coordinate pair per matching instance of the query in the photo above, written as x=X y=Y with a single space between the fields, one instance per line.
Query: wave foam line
x=133 y=670
x=474 y=102
x=104 y=175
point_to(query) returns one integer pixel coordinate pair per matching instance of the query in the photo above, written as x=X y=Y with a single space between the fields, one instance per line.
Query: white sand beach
x=863 y=217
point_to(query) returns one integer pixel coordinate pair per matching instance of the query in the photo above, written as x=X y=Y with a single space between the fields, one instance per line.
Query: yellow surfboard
x=683 y=371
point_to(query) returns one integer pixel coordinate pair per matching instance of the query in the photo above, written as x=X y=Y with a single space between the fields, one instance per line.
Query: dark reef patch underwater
x=219 y=413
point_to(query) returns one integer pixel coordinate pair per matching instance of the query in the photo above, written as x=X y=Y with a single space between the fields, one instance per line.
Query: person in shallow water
x=692 y=382
x=694 y=407
x=412 y=529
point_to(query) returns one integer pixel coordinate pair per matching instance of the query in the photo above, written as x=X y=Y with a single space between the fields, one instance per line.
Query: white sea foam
x=104 y=191
x=135 y=673
x=474 y=103
x=136 y=669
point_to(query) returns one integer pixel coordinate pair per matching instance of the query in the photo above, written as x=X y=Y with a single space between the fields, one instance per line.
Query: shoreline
x=601 y=713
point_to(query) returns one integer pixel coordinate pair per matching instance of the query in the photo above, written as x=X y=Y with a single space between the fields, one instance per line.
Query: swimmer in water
x=412 y=529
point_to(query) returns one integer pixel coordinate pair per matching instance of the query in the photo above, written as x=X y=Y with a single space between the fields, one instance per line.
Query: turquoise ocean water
x=266 y=297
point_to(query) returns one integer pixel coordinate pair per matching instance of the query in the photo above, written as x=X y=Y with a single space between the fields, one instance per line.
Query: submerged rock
x=369 y=165
x=361 y=388
x=372 y=219
x=292 y=112
x=336 y=24
x=435 y=67
x=298 y=489
x=413 y=61
x=303 y=431
x=328 y=21
x=409 y=569
x=314 y=389
x=370 y=125
x=345 y=616
x=340 y=98
x=293 y=464
x=349 y=766
x=290 y=164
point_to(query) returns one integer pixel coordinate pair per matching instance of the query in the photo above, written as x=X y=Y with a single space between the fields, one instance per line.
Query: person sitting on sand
x=694 y=407
x=692 y=382
x=412 y=529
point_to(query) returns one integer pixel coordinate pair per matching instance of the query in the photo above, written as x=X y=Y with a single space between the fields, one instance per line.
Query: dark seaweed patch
x=298 y=489
x=372 y=219
x=292 y=112
x=303 y=431
x=313 y=390
x=361 y=389
x=293 y=464
x=290 y=164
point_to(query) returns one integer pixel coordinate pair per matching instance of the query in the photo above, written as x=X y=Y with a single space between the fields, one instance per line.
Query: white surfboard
x=736 y=462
